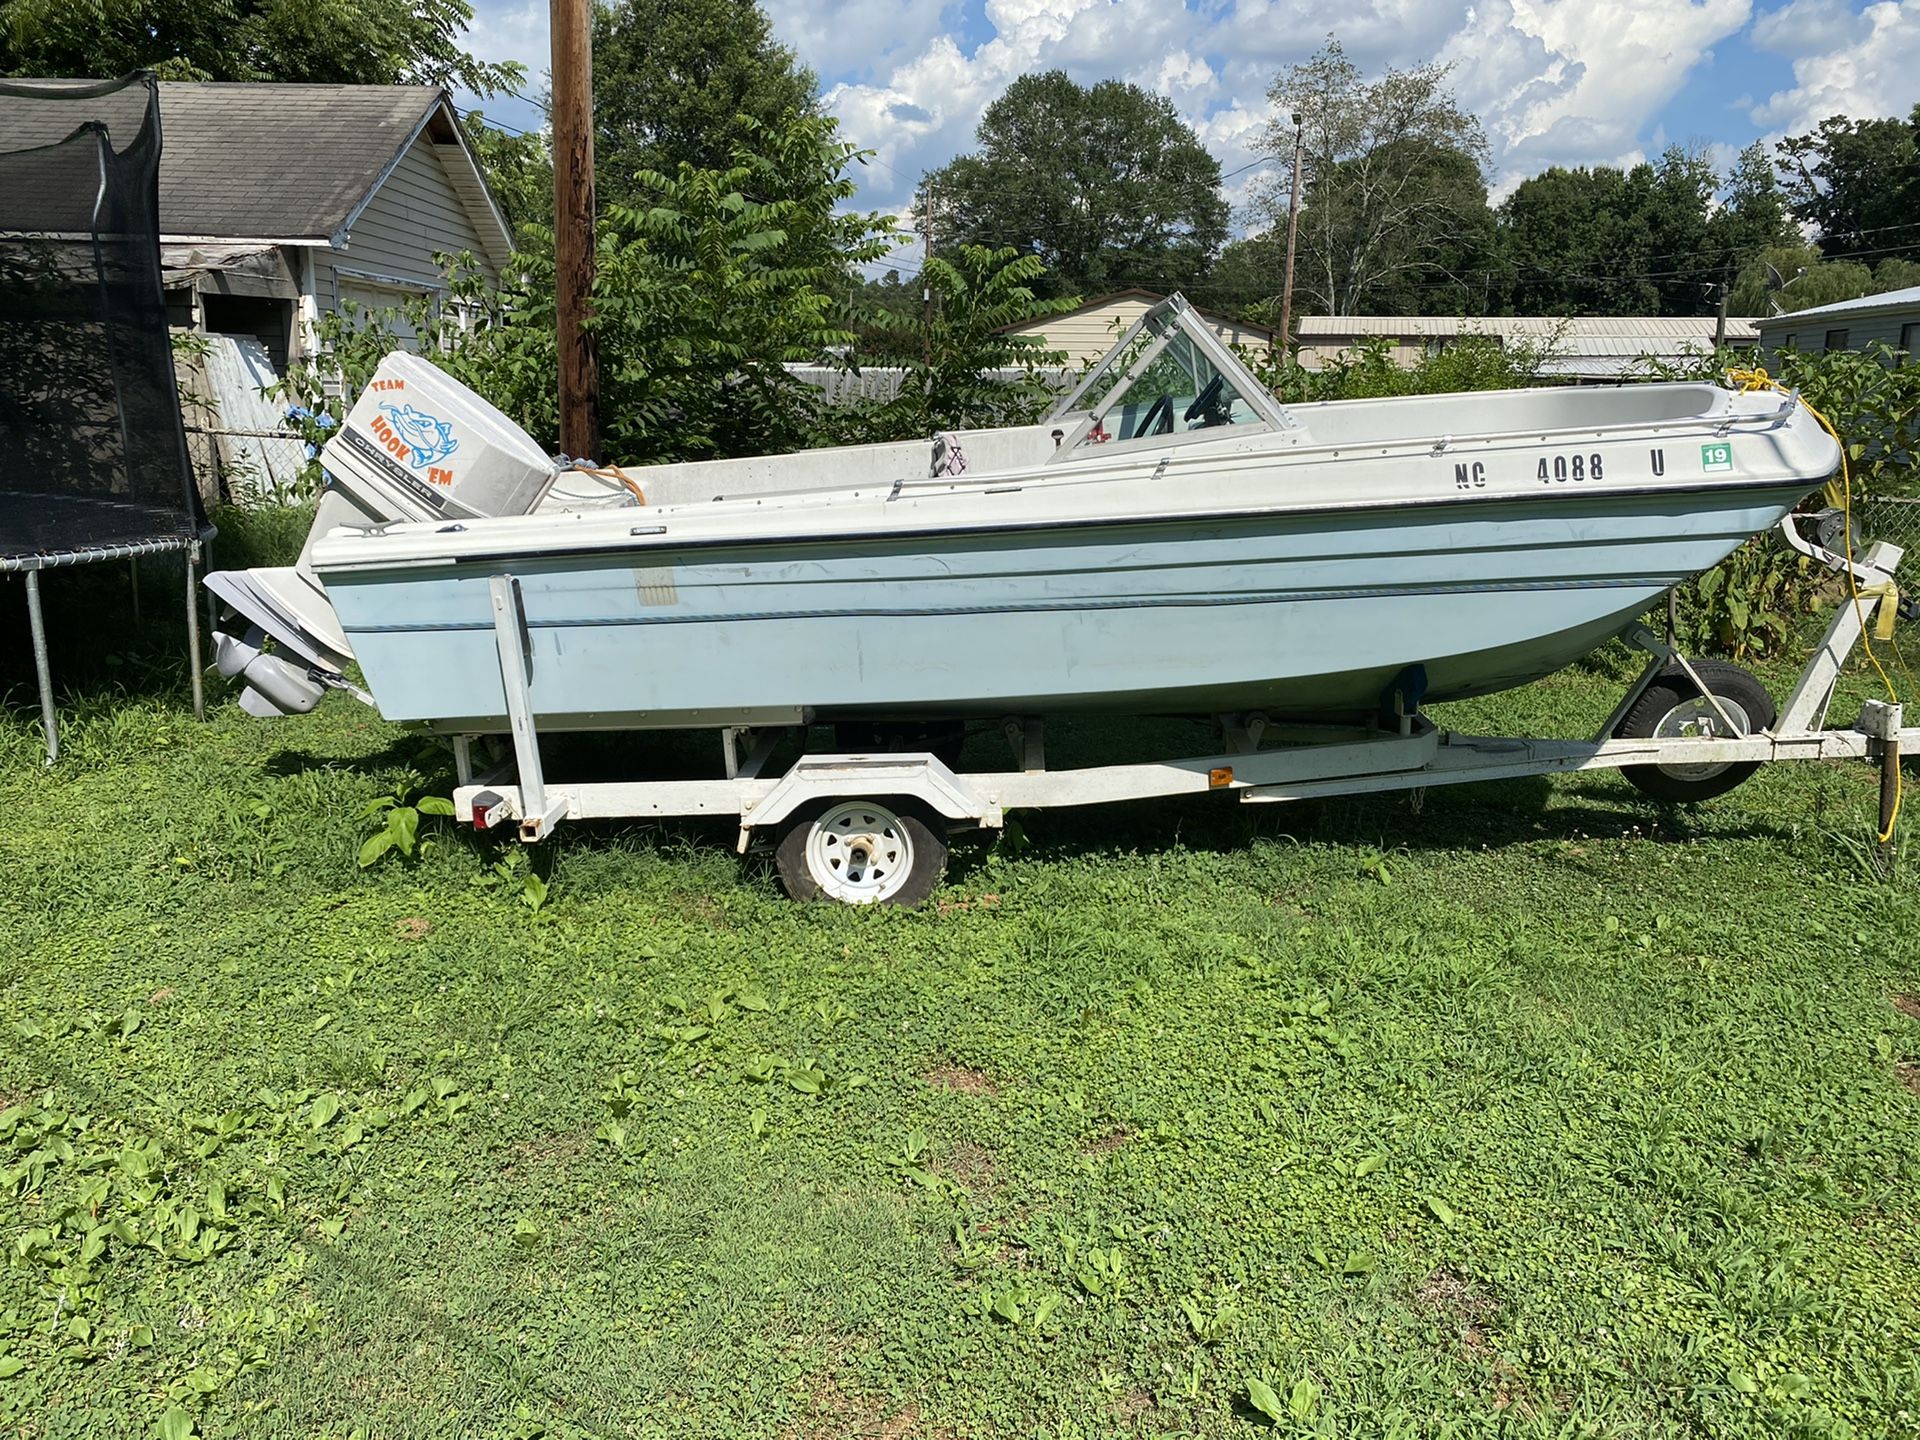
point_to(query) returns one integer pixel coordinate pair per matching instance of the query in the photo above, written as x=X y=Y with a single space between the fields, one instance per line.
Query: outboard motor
x=417 y=446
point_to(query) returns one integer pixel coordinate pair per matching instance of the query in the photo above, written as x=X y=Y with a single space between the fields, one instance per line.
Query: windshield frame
x=1166 y=319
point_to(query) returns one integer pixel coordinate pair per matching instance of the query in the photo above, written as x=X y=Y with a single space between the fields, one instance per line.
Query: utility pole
x=1720 y=321
x=573 y=245
x=1293 y=234
x=926 y=282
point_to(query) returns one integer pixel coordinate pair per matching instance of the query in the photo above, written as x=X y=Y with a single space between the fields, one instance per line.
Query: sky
x=1555 y=82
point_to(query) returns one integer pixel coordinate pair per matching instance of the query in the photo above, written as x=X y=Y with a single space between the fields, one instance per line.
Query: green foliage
x=677 y=84
x=1648 y=240
x=1750 y=604
x=1670 y=1144
x=1857 y=182
x=962 y=370
x=1105 y=183
x=346 y=42
x=1804 y=281
x=1393 y=192
x=700 y=296
x=1370 y=371
x=396 y=820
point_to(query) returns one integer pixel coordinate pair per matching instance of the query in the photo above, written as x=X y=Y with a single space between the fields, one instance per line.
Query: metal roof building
x=1892 y=316
x=1578 y=347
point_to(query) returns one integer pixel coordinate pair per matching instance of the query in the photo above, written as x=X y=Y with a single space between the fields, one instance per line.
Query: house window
x=1792 y=342
x=1910 y=339
x=1836 y=340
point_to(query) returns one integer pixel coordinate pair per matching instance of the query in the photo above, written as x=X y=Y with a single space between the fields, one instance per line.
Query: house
x=1584 y=348
x=280 y=202
x=1892 y=316
x=283 y=203
x=1087 y=333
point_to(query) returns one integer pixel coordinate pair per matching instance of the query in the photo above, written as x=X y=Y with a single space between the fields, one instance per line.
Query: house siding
x=414 y=215
x=1088 y=335
x=1809 y=331
x=1862 y=331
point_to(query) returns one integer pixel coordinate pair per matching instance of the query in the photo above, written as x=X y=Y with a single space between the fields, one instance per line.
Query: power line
x=488 y=123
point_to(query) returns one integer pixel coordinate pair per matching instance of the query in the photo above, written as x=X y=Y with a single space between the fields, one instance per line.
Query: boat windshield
x=1162 y=379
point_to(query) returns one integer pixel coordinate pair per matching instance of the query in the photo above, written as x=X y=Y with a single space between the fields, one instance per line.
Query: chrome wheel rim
x=1697 y=719
x=859 y=853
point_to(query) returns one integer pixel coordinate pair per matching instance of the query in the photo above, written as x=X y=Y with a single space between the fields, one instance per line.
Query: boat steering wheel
x=1158 y=419
x=1207 y=408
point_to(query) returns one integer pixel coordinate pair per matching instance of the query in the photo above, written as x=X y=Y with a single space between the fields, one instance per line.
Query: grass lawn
x=1529 y=1110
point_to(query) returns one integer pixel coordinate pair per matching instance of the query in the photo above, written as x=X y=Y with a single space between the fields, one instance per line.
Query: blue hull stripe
x=1271 y=597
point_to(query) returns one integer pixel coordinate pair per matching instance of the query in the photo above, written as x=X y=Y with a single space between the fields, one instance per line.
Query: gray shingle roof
x=278 y=161
x=265 y=162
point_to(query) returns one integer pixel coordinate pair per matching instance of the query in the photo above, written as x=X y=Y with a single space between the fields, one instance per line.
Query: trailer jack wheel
x=1673 y=708
x=862 y=852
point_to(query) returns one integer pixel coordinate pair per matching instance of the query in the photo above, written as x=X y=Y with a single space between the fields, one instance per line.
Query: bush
x=1473 y=362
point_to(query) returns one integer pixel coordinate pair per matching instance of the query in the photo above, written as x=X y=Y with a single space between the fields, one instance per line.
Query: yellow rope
x=1758 y=379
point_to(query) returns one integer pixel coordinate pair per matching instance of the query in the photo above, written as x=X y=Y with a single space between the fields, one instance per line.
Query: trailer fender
x=915 y=775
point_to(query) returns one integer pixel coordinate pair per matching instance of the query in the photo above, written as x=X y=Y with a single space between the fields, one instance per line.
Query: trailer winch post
x=1881 y=720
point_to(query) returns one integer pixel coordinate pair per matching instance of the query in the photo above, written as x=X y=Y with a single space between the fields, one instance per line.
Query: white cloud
x=854 y=39
x=511 y=30
x=1576 y=82
x=1573 y=82
x=1187 y=76
x=1801 y=27
x=1860 y=65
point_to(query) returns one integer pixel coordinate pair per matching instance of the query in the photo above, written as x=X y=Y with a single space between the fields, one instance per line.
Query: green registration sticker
x=1718 y=456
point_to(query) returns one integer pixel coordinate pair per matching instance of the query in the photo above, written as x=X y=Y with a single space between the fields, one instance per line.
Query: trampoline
x=93 y=459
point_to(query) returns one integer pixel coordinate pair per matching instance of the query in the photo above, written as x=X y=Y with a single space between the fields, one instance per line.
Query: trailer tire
x=862 y=852
x=1671 y=704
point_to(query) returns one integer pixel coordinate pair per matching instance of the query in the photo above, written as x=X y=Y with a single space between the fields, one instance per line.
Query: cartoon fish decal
x=430 y=440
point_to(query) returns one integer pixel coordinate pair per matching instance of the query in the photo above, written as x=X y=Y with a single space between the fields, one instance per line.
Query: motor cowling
x=419 y=445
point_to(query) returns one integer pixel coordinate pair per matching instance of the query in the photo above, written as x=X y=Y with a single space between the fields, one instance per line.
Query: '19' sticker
x=1717 y=457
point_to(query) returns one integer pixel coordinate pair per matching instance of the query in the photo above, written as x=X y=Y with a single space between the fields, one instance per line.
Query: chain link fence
x=1895 y=519
x=244 y=467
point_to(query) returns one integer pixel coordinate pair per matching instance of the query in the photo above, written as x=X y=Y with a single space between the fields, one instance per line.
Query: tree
x=1858 y=182
x=1753 y=214
x=1105 y=183
x=962 y=370
x=686 y=84
x=701 y=294
x=1571 y=244
x=880 y=313
x=1392 y=172
x=1245 y=281
x=369 y=42
x=1644 y=241
x=1782 y=278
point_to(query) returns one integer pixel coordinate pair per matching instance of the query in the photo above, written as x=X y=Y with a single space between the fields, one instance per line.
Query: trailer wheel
x=1674 y=707
x=862 y=852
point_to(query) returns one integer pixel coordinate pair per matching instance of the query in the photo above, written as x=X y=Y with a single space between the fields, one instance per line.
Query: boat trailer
x=870 y=827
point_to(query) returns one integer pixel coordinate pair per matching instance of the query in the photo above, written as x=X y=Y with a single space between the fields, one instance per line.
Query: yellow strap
x=1888 y=611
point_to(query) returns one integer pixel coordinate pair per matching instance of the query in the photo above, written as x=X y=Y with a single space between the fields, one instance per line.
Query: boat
x=1172 y=539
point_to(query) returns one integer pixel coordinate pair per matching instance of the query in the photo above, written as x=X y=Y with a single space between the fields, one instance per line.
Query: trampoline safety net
x=92 y=455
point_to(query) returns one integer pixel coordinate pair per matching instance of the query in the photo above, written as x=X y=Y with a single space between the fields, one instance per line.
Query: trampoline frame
x=191 y=545
x=30 y=567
